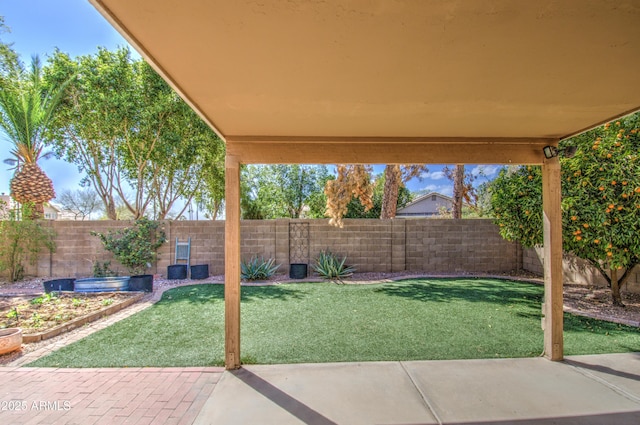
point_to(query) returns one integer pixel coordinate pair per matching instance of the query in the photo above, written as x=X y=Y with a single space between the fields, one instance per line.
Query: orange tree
x=516 y=204
x=601 y=201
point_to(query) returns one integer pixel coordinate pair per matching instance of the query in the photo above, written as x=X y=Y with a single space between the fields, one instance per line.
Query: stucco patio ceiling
x=335 y=70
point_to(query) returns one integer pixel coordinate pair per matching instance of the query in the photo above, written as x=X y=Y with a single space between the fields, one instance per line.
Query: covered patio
x=404 y=82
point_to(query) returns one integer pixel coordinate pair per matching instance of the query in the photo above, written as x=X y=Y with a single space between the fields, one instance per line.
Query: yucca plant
x=258 y=268
x=330 y=266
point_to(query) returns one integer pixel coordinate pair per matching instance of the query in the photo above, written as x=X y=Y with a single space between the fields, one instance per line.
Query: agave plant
x=258 y=269
x=330 y=266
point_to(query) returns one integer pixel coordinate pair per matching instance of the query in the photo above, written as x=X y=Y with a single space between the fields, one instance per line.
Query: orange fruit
x=574 y=218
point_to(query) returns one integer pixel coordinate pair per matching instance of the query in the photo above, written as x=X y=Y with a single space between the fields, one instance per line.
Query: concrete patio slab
x=319 y=394
x=532 y=390
x=603 y=389
x=585 y=390
x=620 y=371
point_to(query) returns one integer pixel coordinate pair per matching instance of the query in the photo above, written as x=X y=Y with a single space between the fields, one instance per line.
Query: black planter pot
x=297 y=271
x=143 y=282
x=177 y=271
x=200 y=271
x=58 y=285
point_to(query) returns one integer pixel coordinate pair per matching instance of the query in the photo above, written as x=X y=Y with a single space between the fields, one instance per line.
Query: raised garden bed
x=49 y=315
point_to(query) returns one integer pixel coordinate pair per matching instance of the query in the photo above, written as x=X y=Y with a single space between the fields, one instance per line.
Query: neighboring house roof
x=61 y=213
x=426 y=205
x=50 y=212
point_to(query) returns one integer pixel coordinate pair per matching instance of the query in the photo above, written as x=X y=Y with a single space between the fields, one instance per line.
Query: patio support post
x=552 y=217
x=232 y=263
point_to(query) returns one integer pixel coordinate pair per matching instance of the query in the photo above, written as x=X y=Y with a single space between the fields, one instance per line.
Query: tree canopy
x=130 y=133
x=601 y=201
x=275 y=191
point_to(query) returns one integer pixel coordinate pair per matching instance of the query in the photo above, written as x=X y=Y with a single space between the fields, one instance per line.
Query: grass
x=416 y=319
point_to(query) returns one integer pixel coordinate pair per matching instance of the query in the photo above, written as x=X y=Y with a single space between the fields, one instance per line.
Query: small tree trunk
x=111 y=210
x=458 y=191
x=390 y=194
x=615 y=289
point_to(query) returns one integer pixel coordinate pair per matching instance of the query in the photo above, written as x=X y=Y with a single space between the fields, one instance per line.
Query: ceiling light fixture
x=552 y=151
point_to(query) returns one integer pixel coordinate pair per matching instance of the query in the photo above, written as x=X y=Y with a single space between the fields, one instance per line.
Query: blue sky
x=38 y=27
x=75 y=27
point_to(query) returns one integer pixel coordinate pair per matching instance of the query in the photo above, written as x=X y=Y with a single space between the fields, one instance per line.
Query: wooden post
x=232 y=263
x=552 y=321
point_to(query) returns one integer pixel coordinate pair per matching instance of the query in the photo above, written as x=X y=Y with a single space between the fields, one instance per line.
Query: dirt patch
x=40 y=313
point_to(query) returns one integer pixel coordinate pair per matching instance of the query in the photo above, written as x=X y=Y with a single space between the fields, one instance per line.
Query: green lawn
x=323 y=322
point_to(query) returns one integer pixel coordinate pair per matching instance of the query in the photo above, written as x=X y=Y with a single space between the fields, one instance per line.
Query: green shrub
x=258 y=269
x=330 y=266
x=21 y=241
x=134 y=247
x=103 y=269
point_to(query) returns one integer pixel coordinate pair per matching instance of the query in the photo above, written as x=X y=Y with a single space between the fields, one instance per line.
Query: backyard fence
x=436 y=246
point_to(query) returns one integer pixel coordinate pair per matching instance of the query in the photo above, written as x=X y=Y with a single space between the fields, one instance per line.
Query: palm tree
x=26 y=109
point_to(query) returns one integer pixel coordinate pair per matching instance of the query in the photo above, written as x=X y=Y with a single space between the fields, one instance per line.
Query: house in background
x=51 y=211
x=57 y=212
x=7 y=204
x=427 y=205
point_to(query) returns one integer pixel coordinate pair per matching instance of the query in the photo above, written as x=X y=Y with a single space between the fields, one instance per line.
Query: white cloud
x=486 y=170
x=439 y=188
x=436 y=175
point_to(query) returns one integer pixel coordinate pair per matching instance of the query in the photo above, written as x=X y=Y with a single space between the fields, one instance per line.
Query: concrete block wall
x=76 y=250
x=428 y=245
x=435 y=246
x=575 y=270
x=365 y=243
x=457 y=246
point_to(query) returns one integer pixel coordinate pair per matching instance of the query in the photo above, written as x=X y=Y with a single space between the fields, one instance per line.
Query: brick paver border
x=113 y=396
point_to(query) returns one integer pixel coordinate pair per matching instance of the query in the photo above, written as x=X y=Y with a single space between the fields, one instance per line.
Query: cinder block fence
x=438 y=246
x=371 y=245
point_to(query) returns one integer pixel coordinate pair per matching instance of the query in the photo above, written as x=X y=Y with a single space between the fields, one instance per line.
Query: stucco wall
x=575 y=270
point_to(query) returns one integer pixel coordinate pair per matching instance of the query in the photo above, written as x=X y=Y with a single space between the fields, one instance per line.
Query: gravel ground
x=579 y=299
